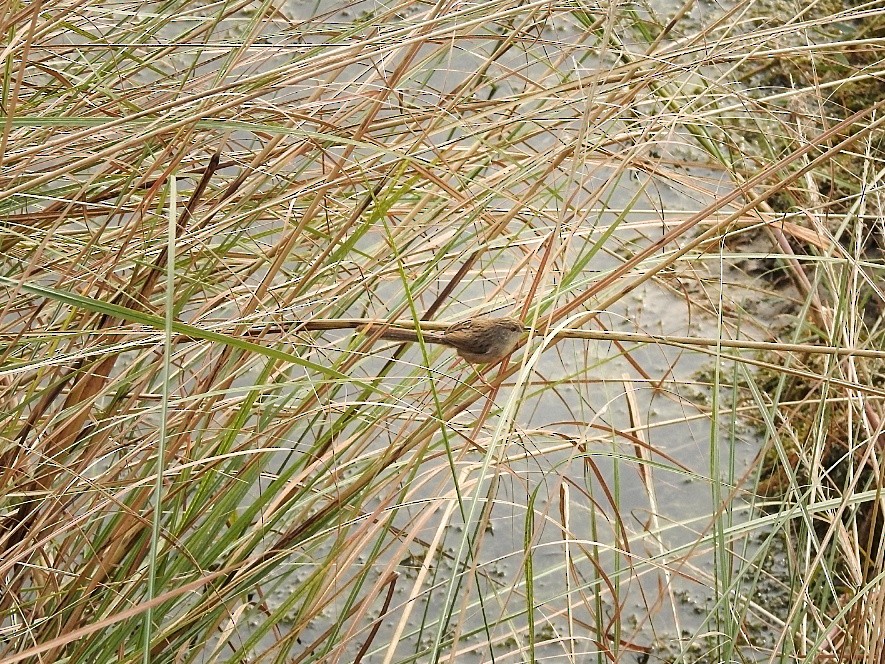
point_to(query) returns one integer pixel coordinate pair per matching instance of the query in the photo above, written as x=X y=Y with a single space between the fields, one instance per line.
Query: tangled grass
x=202 y=463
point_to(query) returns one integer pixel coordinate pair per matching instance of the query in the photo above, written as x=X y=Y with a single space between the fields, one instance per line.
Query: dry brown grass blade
x=86 y=382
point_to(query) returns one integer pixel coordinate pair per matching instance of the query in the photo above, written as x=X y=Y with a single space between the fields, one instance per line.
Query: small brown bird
x=477 y=340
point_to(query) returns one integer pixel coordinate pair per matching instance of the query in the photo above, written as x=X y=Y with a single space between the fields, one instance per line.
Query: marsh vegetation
x=681 y=462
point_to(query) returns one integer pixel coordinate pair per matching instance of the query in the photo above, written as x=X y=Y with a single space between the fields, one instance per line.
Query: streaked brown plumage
x=480 y=340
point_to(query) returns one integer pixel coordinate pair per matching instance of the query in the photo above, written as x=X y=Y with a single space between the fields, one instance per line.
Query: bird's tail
x=399 y=334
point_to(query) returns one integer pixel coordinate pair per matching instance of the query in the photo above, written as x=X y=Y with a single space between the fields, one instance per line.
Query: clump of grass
x=192 y=473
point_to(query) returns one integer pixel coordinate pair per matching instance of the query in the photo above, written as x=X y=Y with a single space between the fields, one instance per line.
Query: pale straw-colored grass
x=190 y=473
